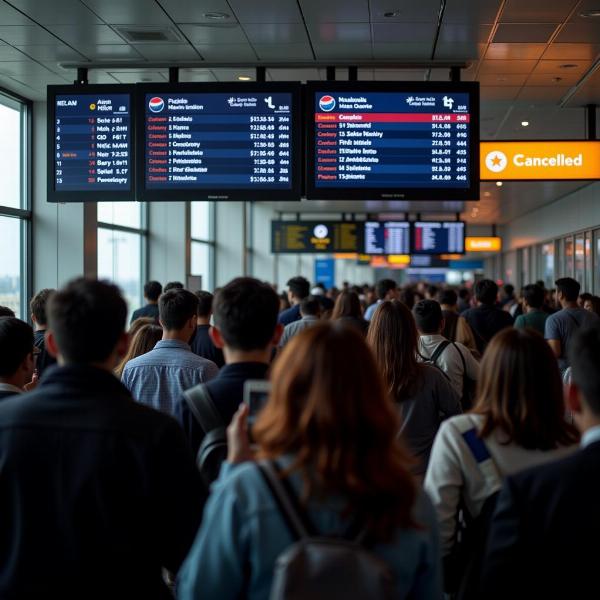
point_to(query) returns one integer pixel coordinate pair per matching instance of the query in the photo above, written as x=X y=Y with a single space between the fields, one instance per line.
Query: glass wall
x=122 y=240
x=201 y=227
x=15 y=208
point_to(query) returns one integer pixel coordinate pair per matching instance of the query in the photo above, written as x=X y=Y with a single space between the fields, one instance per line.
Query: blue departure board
x=238 y=143
x=90 y=147
x=386 y=237
x=386 y=141
x=438 y=237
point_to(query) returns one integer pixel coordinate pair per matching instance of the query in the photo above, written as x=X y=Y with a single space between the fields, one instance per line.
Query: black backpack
x=213 y=449
x=469 y=385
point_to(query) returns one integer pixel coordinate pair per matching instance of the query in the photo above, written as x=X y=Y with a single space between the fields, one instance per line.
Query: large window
x=15 y=208
x=122 y=237
x=202 y=242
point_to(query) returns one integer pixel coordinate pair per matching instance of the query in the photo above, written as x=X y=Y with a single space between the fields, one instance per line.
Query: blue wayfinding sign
x=325 y=272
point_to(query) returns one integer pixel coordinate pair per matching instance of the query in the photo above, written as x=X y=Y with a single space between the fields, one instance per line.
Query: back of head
x=205 y=302
x=569 y=288
x=584 y=356
x=508 y=289
x=464 y=294
x=38 y=306
x=428 y=316
x=407 y=297
x=176 y=307
x=152 y=291
x=6 y=312
x=87 y=318
x=520 y=391
x=432 y=292
x=16 y=342
x=448 y=297
x=383 y=287
x=486 y=292
x=393 y=338
x=310 y=307
x=347 y=304
x=138 y=324
x=144 y=340
x=533 y=295
x=585 y=296
x=173 y=285
x=329 y=409
x=245 y=312
x=299 y=287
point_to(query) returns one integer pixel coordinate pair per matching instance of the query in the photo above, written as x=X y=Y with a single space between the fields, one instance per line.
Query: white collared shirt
x=449 y=361
x=7 y=387
x=591 y=436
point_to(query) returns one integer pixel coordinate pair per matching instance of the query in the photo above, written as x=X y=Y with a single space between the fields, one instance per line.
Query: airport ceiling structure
x=538 y=61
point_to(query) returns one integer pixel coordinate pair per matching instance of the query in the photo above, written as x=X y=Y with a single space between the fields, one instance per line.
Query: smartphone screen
x=256 y=395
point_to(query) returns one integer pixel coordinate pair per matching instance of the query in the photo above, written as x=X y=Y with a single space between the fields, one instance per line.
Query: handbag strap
x=203 y=408
x=485 y=461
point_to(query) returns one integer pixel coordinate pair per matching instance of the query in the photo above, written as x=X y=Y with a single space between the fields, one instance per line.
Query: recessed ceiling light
x=594 y=13
x=499 y=183
x=390 y=14
x=557 y=79
x=244 y=78
x=525 y=123
x=217 y=16
x=487 y=194
x=568 y=66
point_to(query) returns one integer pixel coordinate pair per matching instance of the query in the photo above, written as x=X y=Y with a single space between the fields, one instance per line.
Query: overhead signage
x=483 y=244
x=314 y=236
x=541 y=160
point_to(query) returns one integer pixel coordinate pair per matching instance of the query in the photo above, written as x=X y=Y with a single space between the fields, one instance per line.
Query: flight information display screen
x=236 y=143
x=386 y=237
x=438 y=237
x=90 y=143
x=413 y=141
x=314 y=236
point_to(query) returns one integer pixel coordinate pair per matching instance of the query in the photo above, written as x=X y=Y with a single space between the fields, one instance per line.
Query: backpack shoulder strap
x=462 y=358
x=203 y=408
x=439 y=351
x=483 y=457
x=286 y=501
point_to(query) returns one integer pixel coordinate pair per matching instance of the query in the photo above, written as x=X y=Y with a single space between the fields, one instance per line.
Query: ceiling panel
x=329 y=33
x=85 y=35
x=10 y=16
x=343 y=51
x=507 y=66
x=399 y=75
x=317 y=11
x=276 y=33
x=55 y=52
x=170 y=52
x=397 y=32
x=282 y=52
x=196 y=75
x=405 y=50
x=110 y=52
x=227 y=52
x=547 y=79
x=469 y=11
x=572 y=51
x=579 y=33
x=515 y=51
x=139 y=76
x=232 y=74
x=213 y=34
x=578 y=68
x=503 y=78
x=56 y=12
x=22 y=35
x=266 y=11
x=36 y=82
x=22 y=89
x=491 y=92
x=546 y=94
x=17 y=69
x=465 y=32
x=9 y=53
x=537 y=11
x=516 y=33
x=424 y=10
x=195 y=12
x=128 y=12
x=295 y=75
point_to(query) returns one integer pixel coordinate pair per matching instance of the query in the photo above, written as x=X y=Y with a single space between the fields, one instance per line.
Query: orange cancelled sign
x=483 y=244
x=548 y=159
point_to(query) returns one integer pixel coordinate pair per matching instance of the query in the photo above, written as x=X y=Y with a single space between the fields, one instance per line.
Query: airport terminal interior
x=398 y=164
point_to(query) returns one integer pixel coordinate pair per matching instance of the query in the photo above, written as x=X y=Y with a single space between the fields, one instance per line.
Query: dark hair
x=38 y=306
x=152 y=290
x=407 y=297
x=383 y=287
x=534 y=295
x=432 y=290
x=585 y=296
x=205 y=302
x=16 y=342
x=584 y=356
x=347 y=304
x=464 y=293
x=310 y=306
x=486 y=291
x=329 y=410
x=143 y=341
x=6 y=312
x=595 y=302
x=509 y=289
x=519 y=392
x=394 y=339
x=87 y=317
x=245 y=312
x=283 y=298
x=299 y=287
x=176 y=307
x=568 y=287
x=428 y=316
x=173 y=285
x=448 y=297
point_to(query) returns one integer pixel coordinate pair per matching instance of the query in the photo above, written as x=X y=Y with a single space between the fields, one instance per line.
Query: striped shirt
x=159 y=377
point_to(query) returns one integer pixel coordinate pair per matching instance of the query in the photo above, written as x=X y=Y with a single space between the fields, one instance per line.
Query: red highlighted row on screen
x=391 y=118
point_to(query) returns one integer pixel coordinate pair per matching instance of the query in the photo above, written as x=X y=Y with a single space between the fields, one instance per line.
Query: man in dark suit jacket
x=98 y=493
x=547 y=523
x=16 y=356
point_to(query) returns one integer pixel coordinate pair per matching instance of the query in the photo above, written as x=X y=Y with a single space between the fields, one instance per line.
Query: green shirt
x=536 y=319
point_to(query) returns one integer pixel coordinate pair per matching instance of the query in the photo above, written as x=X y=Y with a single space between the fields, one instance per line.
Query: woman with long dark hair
x=347 y=310
x=422 y=393
x=330 y=429
x=144 y=339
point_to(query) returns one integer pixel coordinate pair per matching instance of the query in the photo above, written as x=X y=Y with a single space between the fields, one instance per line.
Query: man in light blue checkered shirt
x=159 y=377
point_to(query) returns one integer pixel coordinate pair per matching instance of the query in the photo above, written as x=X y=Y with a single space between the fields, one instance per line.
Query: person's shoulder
x=144 y=360
x=456 y=426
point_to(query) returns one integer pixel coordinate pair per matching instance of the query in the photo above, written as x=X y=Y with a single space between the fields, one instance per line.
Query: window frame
x=210 y=242
x=25 y=213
